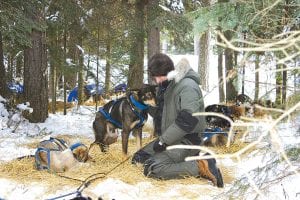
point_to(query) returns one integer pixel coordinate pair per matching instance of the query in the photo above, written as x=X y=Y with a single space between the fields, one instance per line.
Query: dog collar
x=138 y=104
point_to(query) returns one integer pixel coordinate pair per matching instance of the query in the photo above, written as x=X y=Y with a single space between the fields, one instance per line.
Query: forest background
x=52 y=44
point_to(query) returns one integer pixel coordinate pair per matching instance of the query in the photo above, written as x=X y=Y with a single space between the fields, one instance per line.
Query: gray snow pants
x=169 y=164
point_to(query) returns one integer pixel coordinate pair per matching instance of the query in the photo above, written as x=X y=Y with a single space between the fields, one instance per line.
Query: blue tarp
x=15 y=87
x=120 y=88
x=90 y=89
x=73 y=96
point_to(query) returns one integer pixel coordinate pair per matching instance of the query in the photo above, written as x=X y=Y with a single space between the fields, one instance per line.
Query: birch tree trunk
x=203 y=60
x=204 y=55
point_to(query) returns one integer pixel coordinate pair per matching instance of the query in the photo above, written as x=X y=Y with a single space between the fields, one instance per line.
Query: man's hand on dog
x=158 y=146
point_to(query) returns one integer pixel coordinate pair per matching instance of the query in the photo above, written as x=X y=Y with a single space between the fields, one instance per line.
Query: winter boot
x=208 y=169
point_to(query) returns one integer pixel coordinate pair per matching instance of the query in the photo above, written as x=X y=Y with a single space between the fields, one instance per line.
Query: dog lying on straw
x=55 y=155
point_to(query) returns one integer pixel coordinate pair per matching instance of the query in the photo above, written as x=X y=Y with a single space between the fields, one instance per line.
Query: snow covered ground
x=78 y=123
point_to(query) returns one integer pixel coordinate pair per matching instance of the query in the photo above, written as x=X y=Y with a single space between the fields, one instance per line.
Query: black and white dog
x=128 y=113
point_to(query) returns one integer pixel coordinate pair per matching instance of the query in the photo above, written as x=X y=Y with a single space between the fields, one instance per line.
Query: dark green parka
x=183 y=93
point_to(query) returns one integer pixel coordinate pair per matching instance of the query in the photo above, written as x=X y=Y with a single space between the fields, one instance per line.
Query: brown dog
x=57 y=161
x=128 y=113
x=55 y=155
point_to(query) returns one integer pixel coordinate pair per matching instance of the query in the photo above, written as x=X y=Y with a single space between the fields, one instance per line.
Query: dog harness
x=108 y=117
x=137 y=108
x=208 y=133
x=59 y=143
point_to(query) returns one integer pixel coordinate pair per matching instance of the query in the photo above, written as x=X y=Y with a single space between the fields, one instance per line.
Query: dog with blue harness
x=128 y=113
x=56 y=155
x=214 y=137
x=216 y=133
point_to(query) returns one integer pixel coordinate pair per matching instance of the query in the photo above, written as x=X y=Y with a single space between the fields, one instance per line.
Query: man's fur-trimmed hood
x=183 y=70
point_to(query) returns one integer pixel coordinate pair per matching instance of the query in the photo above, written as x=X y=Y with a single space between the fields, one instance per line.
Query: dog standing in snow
x=128 y=113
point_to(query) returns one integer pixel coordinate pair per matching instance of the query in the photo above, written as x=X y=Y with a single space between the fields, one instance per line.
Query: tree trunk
x=231 y=92
x=19 y=65
x=220 y=74
x=9 y=74
x=203 y=60
x=153 y=34
x=136 y=66
x=64 y=72
x=107 y=66
x=52 y=76
x=88 y=66
x=284 y=84
x=35 y=75
x=278 y=85
x=81 y=95
x=256 y=78
x=97 y=67
x=73 y=54
x=284 y=72
x=55 y=63
x=243 y=66
x=3 y=86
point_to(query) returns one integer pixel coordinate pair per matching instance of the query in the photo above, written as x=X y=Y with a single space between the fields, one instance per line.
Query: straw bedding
x=23 y=171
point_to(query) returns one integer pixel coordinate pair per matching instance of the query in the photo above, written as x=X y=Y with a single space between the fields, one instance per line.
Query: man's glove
x=158 y=146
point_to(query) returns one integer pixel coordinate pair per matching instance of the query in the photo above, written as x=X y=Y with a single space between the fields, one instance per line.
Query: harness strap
x=209 y=133
x=109 y=118
x=39 y=166
x=138 y=104
x=141 y=106
x=141 y=118
x=74 y=146
x=59 y=143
